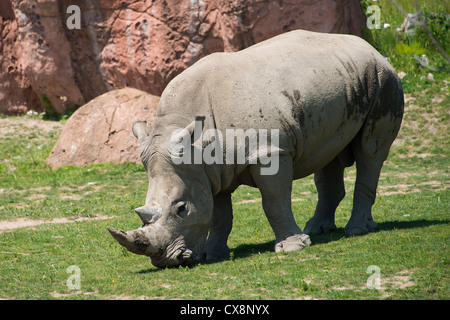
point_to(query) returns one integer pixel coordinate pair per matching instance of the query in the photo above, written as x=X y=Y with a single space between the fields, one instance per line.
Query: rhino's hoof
x=293 y=243
x=320 y=228
x=223 y=253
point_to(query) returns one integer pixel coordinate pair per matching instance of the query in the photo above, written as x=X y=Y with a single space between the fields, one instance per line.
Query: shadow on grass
x=239 y=252
x=391 y=225
x=382 y=226
x=247 y=250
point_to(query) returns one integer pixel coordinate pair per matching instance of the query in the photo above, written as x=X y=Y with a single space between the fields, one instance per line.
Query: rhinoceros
x=325 y=100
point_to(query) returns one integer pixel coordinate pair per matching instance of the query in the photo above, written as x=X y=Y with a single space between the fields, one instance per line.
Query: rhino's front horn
x=149 y=214
x=135 y=241
x=126 y=240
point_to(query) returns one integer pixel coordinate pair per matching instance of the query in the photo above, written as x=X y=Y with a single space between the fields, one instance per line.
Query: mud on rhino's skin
x=335 y=101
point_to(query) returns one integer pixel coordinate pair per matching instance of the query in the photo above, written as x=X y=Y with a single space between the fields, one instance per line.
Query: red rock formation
x=16 y=93
x=141 y=44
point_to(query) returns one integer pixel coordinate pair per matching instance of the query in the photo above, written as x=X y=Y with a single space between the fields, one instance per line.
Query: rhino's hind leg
x=216 y=246
x=371 y=148
x=369 y=162
x=367 y=174
x=276 y=200
x=330 y=187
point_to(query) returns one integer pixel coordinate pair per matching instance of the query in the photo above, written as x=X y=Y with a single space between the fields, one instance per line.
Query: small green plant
x=46 y=104
x=414 y=48
x=439 y=26
x=50 y=113
x=302 y=284
x=413 y=52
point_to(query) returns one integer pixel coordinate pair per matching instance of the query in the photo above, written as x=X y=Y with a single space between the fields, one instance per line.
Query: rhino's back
x=315 y=88
x=309 y=62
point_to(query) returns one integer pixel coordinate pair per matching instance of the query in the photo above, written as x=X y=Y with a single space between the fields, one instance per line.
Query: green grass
x=411 y=248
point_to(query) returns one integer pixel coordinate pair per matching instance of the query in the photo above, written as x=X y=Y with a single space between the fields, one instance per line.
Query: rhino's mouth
x=175 y=254
x=178 y=252
x=181 y=256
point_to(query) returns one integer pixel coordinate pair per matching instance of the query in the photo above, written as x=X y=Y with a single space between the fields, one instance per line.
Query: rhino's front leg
x=276 y=200
x=216 y=246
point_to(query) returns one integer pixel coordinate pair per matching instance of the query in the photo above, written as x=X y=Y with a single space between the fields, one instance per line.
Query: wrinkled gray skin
x=334 y=99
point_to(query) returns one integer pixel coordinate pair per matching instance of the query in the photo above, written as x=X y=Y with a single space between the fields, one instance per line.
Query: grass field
x=51 y=220
x=65 y=213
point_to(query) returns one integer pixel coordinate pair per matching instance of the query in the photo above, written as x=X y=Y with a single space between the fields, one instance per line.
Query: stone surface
x=100 y=131
x=141 y=44
x=16 y=93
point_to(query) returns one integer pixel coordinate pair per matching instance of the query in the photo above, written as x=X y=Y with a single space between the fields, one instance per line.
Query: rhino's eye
x=181 y=209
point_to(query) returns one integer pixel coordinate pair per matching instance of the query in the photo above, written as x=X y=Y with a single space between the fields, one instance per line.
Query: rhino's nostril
x=184 y=256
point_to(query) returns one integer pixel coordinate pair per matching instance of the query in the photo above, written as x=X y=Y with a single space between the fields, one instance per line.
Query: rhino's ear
x=141 y=131
x=191 y=133
x=183 y=134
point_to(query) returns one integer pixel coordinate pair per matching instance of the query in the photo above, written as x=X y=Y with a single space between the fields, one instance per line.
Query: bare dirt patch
x=260 y=199
x=58 y=295
x=15 y=126
x=8 y=225
x=403 y=188
x=40 y=193
x=70 y=193
x=400 y=281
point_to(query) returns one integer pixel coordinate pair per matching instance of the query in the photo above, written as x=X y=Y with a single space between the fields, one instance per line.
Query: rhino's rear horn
x=149 y=214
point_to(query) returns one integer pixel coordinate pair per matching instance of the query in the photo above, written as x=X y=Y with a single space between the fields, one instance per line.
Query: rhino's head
x=178 y=208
